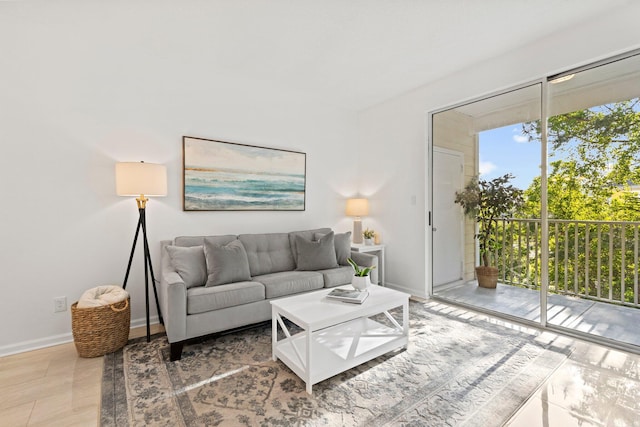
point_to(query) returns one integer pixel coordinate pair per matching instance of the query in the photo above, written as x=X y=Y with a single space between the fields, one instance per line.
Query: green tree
x=595 y=156
x=567 y=196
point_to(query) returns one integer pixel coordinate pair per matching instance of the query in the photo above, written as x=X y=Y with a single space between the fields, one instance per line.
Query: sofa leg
x=176 y=351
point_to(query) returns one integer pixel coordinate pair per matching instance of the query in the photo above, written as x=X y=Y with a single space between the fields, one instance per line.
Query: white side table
x=379 y=251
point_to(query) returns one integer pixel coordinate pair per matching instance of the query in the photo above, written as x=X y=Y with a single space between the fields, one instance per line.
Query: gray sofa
x=210 y=284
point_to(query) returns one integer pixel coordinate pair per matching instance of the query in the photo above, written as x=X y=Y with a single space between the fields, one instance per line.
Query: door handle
x=435 y=229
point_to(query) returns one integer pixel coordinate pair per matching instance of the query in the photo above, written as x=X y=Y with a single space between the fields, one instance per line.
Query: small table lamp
x=142 y=179
x=357 y=208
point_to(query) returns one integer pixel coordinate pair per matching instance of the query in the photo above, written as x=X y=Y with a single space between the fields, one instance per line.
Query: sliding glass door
x=567 y=255
x=593 y=205
x=484 y=143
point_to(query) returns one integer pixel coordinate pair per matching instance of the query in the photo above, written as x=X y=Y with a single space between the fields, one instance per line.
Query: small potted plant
x=360 y=279
x=487 y=202
x=368 y=236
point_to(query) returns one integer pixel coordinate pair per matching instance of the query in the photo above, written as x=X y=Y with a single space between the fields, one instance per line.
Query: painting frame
x=230 y=176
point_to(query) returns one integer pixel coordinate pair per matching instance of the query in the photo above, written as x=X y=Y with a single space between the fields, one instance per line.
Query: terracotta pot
x=487 y=277
x=360 y=283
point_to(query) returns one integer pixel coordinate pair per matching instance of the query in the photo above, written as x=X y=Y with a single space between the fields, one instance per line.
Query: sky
x=507 y=150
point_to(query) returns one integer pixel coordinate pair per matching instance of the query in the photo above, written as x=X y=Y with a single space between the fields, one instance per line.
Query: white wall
x=83 y=86
x=395 y=132
x=81 y=90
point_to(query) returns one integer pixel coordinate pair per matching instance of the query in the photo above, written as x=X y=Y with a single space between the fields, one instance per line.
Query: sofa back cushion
x=268 y=253
x=316 y=255
x=226 y=263
x=190 y=264
x=342 y=242
x=306 y=234
x=199 y=240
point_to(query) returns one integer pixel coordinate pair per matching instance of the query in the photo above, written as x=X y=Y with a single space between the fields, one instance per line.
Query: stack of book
x=348 y=295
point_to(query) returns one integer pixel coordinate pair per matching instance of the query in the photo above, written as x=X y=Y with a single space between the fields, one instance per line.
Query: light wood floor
x=595 y=386
x=52 y=387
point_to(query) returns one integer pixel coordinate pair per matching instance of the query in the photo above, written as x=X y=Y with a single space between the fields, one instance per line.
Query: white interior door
x=447 y=219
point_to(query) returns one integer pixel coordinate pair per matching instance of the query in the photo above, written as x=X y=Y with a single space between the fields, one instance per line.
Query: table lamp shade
x=139 y=178
x=357 y=207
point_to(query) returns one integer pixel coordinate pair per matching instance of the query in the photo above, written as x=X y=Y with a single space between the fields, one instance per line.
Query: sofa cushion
x=203 y=299
x=307 y=234
x=342 y=242
x=268 y=253
x=226 y=263
x=189 y=263
x=199 y=240
x=316 y=255
x=337 y=276
x=290 y=282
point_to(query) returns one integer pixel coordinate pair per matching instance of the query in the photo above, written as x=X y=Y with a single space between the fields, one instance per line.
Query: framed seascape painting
x=226 y=176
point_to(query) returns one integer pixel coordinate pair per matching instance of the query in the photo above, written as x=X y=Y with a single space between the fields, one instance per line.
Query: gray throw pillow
x=226 y=263
x=190 y=264
x=342 y=243
x=319 y=255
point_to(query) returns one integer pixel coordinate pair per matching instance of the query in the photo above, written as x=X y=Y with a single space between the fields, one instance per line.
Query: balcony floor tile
x=593 y=317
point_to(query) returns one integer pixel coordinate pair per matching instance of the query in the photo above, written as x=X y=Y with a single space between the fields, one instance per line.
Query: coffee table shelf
x=340 y=335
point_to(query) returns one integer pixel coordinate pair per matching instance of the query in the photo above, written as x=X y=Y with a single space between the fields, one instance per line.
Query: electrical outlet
x=59 y=304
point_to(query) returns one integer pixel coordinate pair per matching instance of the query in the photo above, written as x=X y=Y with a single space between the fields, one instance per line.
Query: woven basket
x=100 y=330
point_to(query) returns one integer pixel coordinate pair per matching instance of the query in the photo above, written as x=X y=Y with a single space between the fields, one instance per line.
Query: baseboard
x=140 y=323
x=54 y=340
x=31 y=345
x=409 y=291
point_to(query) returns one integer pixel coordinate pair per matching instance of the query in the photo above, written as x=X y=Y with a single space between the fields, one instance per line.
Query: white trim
x=142 y=322
x=407 y=290
x=37 y=344
x=544 y=213
x=428 y=197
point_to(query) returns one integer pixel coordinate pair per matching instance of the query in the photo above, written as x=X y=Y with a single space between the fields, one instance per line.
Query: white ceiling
x=346 y=53
x=358 y=53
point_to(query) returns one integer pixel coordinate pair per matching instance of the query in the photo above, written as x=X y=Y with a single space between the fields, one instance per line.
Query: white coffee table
x=339 y=335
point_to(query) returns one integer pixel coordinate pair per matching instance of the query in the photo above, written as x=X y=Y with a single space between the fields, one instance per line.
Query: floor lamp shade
x=140 y=178
x=357 y=208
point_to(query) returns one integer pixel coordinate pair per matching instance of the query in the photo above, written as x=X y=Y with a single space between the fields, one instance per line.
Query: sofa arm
x=367 y=260
x=173 y=298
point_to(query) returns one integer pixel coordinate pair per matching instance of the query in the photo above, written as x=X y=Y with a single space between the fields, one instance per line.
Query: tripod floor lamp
x=142 y=179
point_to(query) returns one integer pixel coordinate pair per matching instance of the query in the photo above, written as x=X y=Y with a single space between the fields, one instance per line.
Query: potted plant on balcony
x=487 y=201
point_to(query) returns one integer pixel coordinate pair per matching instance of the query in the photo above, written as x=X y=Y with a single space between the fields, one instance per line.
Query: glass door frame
x=544 y=255
x=429 y=196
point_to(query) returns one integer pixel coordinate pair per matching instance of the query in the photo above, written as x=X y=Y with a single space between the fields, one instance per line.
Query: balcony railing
x=596 y=260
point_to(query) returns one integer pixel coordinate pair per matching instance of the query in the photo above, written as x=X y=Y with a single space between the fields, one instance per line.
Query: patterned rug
x=459 y=369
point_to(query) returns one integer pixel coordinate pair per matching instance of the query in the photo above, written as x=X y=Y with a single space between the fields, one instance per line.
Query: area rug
x=459 y=369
